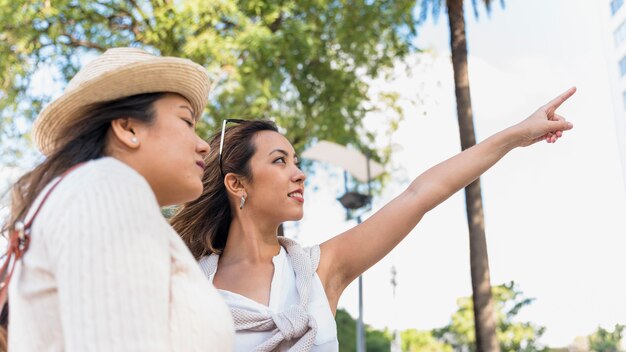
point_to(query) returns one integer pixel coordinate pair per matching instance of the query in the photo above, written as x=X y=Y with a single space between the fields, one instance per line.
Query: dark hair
x=82 y=140
x=203 y=223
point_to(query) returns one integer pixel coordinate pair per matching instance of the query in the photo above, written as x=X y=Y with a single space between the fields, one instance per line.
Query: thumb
x=559 y=124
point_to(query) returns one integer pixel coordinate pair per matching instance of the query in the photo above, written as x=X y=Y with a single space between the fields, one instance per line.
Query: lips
x=298 y=195
x=201 y=164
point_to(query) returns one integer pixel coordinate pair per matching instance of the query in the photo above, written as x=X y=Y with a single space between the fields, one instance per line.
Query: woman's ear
x=234 y=185
x=124 y=131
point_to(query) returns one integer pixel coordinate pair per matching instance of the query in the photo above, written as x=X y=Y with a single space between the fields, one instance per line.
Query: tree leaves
x=301 y=63
x=512 y=335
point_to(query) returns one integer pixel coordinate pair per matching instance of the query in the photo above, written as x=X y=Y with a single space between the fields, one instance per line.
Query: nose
x=203 y=147
x=298 y=176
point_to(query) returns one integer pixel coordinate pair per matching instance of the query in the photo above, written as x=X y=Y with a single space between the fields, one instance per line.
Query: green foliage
x=346 y=331
x=458 y=335
x=512 y=335
x=375 y=340
x=460 y=332
x=422 y=341
x=606 y=341
x=302 y=63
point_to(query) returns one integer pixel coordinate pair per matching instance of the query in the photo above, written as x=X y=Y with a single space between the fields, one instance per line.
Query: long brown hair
x=203 y=223
x=82 y=140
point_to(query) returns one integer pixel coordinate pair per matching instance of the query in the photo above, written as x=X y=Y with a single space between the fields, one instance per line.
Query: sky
x=554 y=213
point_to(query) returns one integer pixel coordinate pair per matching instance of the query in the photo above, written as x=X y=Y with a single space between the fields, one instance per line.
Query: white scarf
x=293 y=323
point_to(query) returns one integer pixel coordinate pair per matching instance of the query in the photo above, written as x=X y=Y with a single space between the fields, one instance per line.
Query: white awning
x=350 y=160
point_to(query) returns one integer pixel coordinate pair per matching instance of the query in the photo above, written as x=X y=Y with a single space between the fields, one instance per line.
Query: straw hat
x=118 y=73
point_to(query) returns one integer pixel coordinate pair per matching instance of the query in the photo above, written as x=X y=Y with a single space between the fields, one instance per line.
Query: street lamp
x=354 y=200
x=396 y=342
x=362 y=169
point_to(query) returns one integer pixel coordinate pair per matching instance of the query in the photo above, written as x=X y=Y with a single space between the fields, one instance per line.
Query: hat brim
x=161 y=74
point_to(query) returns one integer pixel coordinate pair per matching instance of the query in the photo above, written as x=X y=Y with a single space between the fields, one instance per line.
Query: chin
x=294 y=217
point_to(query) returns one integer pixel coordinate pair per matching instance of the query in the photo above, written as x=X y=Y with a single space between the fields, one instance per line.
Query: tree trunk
x=484 y=317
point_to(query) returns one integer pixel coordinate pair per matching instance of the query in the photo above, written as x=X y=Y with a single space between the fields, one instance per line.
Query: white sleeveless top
x=283 y=294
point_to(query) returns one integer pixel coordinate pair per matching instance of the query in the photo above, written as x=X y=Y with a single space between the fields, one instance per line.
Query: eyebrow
x=187 y=108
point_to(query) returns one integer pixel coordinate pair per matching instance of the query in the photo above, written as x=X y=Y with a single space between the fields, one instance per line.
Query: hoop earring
x=243 y=201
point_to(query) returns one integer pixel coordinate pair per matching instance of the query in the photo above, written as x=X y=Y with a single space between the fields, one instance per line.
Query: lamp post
x=362 y=169
x=396 y=343
x=353 y=201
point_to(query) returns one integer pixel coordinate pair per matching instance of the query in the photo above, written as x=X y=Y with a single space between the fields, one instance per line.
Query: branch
x=78 y=43
x=144 y=18
x=275 y=26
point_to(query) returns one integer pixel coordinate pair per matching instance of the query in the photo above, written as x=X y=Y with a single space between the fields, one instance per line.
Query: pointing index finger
x=556 y=102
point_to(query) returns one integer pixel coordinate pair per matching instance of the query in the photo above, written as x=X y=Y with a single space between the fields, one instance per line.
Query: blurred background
x=378 y=77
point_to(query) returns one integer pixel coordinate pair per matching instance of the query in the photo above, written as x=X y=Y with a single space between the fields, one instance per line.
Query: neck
x=250 y=241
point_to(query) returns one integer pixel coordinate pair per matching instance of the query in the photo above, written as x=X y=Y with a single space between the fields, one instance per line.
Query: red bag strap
x=19 y=239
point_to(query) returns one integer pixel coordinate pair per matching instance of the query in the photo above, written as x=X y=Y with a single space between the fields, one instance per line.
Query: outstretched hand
x=545 y=123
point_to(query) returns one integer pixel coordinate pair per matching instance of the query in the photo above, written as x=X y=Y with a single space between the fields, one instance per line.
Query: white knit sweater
x=106 y=272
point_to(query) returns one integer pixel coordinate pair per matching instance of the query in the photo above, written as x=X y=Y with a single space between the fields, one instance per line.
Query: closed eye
x=188 y=122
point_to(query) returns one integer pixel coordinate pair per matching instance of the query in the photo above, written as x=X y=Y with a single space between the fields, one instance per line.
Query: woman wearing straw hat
x=284 y=297
x=94 y=265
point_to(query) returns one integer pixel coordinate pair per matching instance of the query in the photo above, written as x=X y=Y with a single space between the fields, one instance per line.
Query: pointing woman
x=284 y=297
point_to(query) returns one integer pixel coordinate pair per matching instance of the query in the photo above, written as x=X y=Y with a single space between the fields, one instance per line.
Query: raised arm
x=346 y=256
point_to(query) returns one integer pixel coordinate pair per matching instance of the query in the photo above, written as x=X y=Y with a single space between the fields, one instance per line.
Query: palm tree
x=484 y=319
